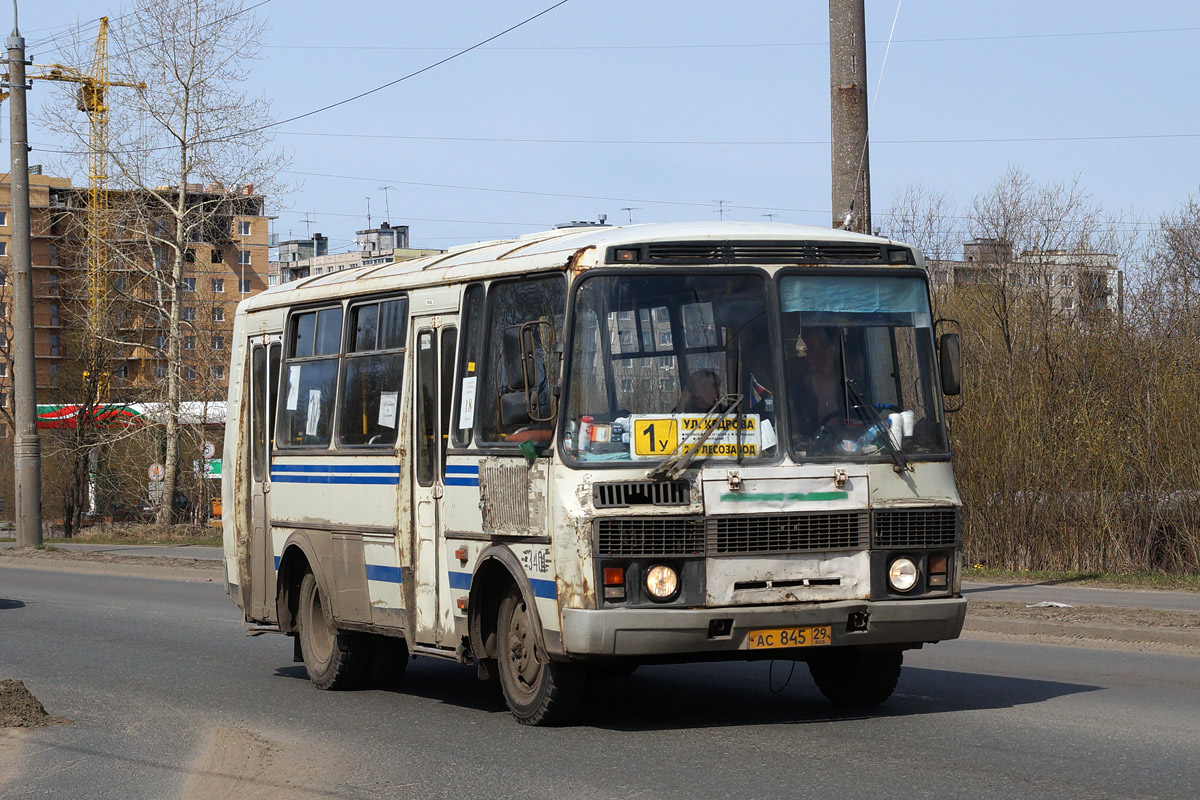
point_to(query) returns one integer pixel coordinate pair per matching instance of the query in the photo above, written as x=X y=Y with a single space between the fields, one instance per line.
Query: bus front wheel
x=334 y=659
x=857 y=679
x=538 y=691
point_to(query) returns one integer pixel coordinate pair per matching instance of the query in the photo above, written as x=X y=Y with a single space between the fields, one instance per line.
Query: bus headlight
x=902 y=574
x=662 y=582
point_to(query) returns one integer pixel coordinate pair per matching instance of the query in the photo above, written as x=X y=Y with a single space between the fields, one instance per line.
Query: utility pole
x=848 y=115
x=27 y=447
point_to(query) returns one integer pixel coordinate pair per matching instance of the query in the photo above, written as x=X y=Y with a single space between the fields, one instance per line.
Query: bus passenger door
x=264 y=384
x=436 y=338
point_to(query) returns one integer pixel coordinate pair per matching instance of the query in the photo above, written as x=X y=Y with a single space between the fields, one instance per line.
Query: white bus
x=594 y=448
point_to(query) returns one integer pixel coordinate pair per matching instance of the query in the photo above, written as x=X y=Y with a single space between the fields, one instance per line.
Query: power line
x=209 y=24
x=248 y=131
x=434 y=65
x=407 y=218
x=748 y=45
x=603 y=198
x=737 y=142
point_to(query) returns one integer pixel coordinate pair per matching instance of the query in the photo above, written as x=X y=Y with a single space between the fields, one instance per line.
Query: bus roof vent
x=757 y=252
x=641 y=493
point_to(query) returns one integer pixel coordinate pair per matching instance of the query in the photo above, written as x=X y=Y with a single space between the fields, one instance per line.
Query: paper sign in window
x=314 y=412
x=387 y=409
x=293 y=398
x=466 y=414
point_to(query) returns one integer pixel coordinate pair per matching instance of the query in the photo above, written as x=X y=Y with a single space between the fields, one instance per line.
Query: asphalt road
x=170 y=699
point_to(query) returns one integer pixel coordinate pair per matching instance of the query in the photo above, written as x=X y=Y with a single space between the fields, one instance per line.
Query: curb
x=1109 y=633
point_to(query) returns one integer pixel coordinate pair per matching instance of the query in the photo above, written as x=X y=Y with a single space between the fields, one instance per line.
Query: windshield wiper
x=674 y=466
x=870 y=415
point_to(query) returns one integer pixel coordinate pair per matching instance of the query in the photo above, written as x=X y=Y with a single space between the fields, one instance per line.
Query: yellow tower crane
x=92 y=100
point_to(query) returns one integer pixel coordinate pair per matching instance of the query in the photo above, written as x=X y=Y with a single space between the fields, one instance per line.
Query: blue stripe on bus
x=462 y=469
x=462 y=481
x=541 y=588
x=378 y=572
x=387 y=469
x=354 y=479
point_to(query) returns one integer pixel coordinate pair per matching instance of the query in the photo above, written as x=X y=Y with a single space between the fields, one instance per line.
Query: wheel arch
x=299 y=556
x=496 y=568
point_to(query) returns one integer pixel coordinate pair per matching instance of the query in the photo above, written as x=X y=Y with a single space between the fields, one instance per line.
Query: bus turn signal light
x=614 y=583
x=937 y=570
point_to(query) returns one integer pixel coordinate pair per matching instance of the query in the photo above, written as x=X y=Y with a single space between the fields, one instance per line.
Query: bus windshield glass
x=666 y=362
x=859 y=366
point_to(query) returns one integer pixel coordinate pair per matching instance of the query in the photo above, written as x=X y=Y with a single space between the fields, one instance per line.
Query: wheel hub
x=521 y=647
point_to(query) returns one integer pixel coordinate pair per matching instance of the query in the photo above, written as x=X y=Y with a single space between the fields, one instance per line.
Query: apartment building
x=300 y=258
x=226 y=262
x=1075 y=281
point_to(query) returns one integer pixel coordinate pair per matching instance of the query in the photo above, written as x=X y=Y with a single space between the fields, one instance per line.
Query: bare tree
x=189 y=154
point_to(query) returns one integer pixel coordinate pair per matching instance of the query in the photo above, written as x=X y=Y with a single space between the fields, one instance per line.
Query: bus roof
x=533 y=252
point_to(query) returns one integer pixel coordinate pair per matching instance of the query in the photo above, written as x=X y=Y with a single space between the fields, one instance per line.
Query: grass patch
x=1187 y=582
x=146 y=534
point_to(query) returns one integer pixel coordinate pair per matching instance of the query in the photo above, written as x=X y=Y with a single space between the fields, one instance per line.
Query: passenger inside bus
x=817 y=398
x=699 y=394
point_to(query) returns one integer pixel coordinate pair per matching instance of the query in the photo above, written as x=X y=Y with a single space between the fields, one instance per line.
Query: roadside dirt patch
x=20 y=709
x=1137 y=629
x=1087 y=615
x=236 y=762
x=54 y=554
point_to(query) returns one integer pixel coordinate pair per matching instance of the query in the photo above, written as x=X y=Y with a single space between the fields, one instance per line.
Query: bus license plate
x=767 y=638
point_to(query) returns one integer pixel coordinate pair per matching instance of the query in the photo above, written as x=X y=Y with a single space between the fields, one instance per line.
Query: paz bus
x=595 y=448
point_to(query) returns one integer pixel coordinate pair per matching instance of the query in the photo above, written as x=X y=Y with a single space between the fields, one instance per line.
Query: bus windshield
x=858 y=359
x=657 y=357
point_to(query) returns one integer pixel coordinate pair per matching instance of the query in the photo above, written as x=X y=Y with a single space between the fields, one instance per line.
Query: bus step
x=433 y=652
x=259 y=630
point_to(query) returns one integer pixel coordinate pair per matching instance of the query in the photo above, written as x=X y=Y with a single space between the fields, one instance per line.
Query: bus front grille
x=788 y=533
x=917 y=527
x=650 y=536
x=641 y=493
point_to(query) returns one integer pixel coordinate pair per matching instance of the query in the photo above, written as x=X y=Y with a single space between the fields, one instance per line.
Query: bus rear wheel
x=334 y=659
x=857 y=679
x=538 y=691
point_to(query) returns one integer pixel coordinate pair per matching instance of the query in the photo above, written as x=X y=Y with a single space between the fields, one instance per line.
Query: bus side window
x=371 y=380
x=306 y=412
x=466 y=374
x=510 y=304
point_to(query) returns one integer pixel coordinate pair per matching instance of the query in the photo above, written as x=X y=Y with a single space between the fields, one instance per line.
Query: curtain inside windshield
x=656 y=359
x=858 y=360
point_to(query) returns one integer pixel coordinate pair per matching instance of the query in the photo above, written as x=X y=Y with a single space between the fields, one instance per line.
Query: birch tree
x=186 y=155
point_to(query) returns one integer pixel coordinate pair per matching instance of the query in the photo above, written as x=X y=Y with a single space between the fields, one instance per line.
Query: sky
x=663 y=110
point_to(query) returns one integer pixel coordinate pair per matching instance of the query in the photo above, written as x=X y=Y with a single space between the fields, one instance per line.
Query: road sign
x=210 y=449
x=156 y=472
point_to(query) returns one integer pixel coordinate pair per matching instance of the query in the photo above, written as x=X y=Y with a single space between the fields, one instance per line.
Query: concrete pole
x=848 y=114
x=27 y=447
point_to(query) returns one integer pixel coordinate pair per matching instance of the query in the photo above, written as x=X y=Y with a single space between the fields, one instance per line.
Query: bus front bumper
x=666 y=632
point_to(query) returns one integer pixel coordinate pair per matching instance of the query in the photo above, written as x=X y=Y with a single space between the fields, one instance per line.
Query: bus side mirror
x=540 y=401
x=514 y=372
x=950 y=364
x=514 y=409
x=514 y=405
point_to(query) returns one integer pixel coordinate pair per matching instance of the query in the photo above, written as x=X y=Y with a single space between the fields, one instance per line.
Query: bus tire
x=538 y=691
x=334 y=659
x=857 y=679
